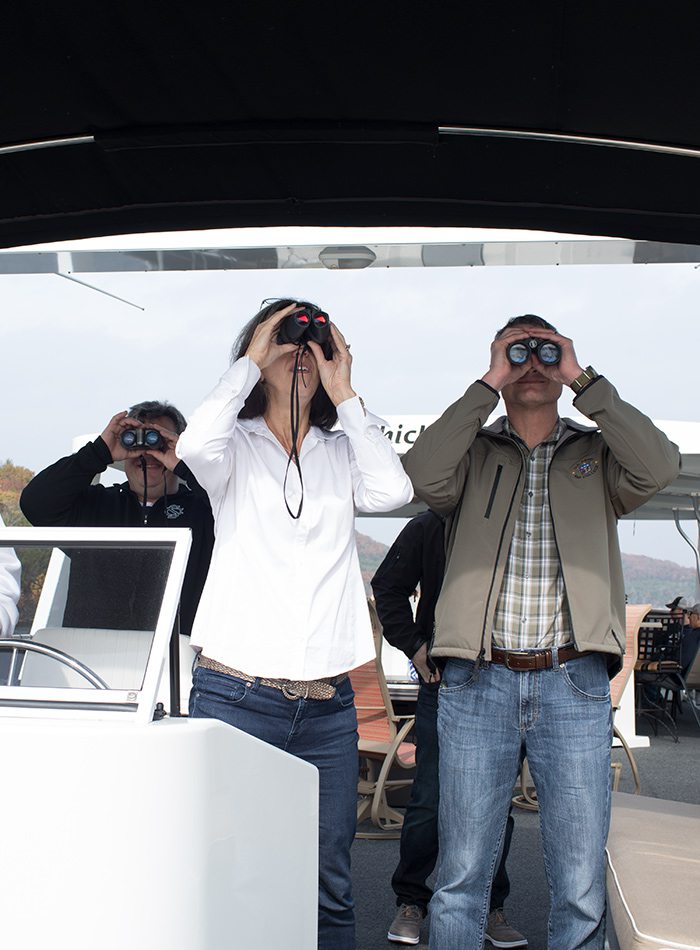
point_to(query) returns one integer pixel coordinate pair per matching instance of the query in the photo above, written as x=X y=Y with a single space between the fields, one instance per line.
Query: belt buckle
x=515 y=653
x=291 y=691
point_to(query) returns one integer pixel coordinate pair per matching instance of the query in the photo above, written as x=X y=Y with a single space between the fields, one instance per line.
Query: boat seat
x=119 y=657
x=653 y=873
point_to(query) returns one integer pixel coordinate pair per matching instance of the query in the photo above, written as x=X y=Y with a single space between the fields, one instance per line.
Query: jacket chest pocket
x=497 y=475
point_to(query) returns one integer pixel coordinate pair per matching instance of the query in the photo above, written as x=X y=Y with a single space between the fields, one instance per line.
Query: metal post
x=174 y=656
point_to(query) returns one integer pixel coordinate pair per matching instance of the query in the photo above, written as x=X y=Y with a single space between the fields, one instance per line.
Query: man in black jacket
x=117 y=589
x=417 y=557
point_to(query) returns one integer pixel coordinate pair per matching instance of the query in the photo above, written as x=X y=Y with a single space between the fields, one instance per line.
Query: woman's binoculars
x=142 y=439
x=547 y=352
x=306 y=324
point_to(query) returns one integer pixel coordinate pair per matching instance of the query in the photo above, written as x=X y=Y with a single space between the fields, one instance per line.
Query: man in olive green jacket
x=531 y=619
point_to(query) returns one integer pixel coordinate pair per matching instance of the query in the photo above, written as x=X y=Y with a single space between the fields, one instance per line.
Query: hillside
x=651 y=581
x=647 y=580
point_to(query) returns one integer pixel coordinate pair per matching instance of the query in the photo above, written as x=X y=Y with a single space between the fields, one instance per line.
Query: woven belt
x=533 y=659
x=291 y=689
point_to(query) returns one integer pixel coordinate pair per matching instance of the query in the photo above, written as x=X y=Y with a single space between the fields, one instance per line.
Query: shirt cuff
x=242 y=376
x=353 y=417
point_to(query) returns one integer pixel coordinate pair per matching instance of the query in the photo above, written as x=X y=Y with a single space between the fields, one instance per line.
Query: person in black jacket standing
x=154 y=495
x=417 y=557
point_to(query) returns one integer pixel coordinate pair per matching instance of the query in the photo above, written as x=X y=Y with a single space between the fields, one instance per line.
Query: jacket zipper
x=482 y=647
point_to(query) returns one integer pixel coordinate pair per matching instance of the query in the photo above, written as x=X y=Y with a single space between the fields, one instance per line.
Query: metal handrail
x=32 y=646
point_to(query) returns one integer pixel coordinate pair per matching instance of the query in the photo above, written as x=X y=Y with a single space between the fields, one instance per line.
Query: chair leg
x=373 y=789
x=632 y=761
x=527 y=797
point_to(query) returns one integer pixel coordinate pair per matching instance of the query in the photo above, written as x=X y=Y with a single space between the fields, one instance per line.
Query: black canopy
x=222 y=114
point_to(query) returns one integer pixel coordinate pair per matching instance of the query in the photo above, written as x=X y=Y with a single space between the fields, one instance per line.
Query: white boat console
x=129 y=830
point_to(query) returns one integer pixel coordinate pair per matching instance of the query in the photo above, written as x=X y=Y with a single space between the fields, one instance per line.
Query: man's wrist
x=493 y=381
x=585 y=377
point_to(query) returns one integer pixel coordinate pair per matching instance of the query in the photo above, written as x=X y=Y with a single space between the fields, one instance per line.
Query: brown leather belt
x=291 y=689
x=533 y=659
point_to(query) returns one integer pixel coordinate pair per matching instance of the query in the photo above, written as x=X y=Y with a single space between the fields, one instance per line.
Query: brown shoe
x=499 y=932
x=405 y=927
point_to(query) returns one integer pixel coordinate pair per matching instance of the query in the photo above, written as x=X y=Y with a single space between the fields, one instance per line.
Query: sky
x=72 y=357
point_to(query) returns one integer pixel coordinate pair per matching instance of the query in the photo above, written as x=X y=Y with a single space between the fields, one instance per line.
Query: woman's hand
x=264 y=348
x=335 y=372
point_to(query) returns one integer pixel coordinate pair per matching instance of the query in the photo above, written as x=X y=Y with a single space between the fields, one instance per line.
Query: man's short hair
x=680 y=603
x=527 y=319
x=151 y=409
x=695 y=609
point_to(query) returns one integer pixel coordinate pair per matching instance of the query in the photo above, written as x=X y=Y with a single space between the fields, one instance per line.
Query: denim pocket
x=345 y=694
x=588 y=677
x=218 y=686
x=458 y=674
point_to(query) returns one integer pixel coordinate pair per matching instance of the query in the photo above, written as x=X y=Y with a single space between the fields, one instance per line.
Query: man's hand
x=420 y=661
x=122 y=421
x=166 y=457
x=112 y=432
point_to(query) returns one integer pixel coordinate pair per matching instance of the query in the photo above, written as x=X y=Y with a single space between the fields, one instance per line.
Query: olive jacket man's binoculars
x=546 y=351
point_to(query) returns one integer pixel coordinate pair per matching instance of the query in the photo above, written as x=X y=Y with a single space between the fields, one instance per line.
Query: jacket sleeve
x=10 y=571
x=641 y=460
x=206 y=445
x=396 y=579
x=437 y=463
x=53 y=497
x=379 y=481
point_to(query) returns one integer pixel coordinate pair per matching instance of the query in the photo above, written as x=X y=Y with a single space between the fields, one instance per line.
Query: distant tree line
x=34 y=561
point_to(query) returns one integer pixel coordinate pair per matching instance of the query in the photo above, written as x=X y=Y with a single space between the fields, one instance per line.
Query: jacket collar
x=498 y=427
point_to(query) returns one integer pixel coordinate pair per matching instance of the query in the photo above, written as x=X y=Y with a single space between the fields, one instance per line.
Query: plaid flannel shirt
x=532 y=611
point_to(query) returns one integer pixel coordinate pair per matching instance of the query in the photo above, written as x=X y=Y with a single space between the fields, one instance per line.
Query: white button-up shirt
x=285 y=597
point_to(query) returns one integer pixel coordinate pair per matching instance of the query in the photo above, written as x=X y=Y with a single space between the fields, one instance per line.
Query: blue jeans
x=562 y=718
x=418 y=851
x=324 y=733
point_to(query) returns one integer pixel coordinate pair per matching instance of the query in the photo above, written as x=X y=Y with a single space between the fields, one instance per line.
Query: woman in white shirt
x=283 y=615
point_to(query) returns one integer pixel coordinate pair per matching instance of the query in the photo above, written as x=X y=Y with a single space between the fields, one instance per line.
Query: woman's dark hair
x=323 y=412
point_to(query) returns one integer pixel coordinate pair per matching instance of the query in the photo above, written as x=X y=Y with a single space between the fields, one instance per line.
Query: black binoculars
x=142 y=439
x=546 y=351
x=308 y=323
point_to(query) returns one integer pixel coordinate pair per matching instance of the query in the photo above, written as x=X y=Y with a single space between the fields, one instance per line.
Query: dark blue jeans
x=324 y=733
x=418 y=851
